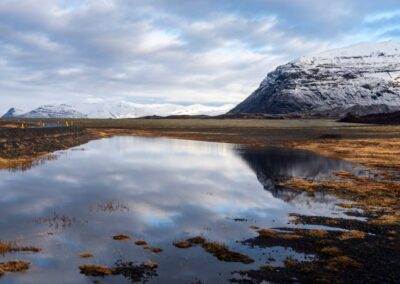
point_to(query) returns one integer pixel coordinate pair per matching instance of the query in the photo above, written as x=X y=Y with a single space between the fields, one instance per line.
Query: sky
x=211 y=52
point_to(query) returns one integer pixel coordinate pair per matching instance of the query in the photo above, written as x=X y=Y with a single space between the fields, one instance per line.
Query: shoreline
x=324 y=137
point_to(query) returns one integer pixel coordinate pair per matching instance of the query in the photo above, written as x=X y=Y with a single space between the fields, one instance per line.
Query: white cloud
x=168 y=51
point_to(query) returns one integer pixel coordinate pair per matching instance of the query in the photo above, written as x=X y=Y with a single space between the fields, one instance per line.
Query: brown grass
x=85 y=255
x=141 y=243
x=197 y=240
x=276 y=235
x=371 y=195
x=151 y=265
x=9 y=247
x=220 y=251
x=347 y=205
x=15 y=266
x=289 y=262
x=224 y=254
x=374 y=153
x=353 y=234
x=340 y=263
x=331 y=251
x=316 y=233
x=95 y=270
x=121 y=237
x=182 y=244
x=156 y=250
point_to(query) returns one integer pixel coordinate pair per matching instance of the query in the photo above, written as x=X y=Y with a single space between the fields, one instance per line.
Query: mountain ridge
x=115 y=109
x=363 y=76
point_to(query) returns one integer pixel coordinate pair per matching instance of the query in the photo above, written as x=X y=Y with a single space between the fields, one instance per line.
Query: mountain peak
x=13 y=112
x=116 y=109
x=364 y=76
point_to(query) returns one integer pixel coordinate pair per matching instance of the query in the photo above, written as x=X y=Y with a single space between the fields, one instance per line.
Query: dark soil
x=373 y=257
x=220 y=251
x=133 y=272
x=381 y=118
x=128 y=269
x=15 y=143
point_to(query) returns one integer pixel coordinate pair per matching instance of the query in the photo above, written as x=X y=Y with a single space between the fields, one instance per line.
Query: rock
x=360 y=79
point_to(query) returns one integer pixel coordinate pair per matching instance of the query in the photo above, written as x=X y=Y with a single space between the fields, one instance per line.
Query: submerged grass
x=128 y=269
x=15 y=266
x=182 y=244
x=121 y=237
x=95 y=270
x=223 y=253
x=156 y=250
x=220 y=251
x=141 y=243
x=85 y=255
x=275 y=234
x=9 y=247
x=378 y=197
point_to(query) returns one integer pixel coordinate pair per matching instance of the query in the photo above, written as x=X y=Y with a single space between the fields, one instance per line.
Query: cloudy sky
x=169 y=51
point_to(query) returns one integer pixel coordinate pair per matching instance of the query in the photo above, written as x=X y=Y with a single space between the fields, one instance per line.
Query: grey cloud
x=165 y=51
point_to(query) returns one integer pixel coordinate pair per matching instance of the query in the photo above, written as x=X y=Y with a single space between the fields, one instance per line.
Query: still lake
x=161 y=191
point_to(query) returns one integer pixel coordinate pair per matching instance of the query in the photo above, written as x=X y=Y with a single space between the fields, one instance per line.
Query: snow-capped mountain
x=123 y=109
x=363 y=77
x=13 y=112
x=53 y=111
x=113 y=109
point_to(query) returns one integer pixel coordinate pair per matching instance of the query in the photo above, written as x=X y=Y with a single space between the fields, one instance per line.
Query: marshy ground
x=364 y=249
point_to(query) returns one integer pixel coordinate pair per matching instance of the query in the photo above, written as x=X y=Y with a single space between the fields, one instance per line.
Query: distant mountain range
x=358 y=79
x=112 y=109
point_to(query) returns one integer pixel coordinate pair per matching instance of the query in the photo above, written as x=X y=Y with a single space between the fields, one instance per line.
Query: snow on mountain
x=123 y=109
x=117 y=109
x=365 y=77
x=53 y=111
x=13 y=112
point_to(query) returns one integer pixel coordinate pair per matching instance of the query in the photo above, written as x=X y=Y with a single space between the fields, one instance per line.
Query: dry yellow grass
x=223 y=253
x=141 y=243
x=331 y=251
x=197 y=240
x=370 y=194
x=316 y=233
x=290 y=262
x=340 y=263
x=85 y=255
x=374 y=153
x=15 y=266
x=95 y=270
x=121 y=237
x=353 y=234
x=276 y=235
x=182 y=244
x=7 y=247
x=151 y=265
x=156 y=250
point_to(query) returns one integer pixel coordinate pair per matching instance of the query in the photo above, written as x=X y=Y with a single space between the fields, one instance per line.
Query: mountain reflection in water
x=158 y=190
x=272 y=165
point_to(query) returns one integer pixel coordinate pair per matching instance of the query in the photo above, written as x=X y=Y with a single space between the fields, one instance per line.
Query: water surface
x=161 y=191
